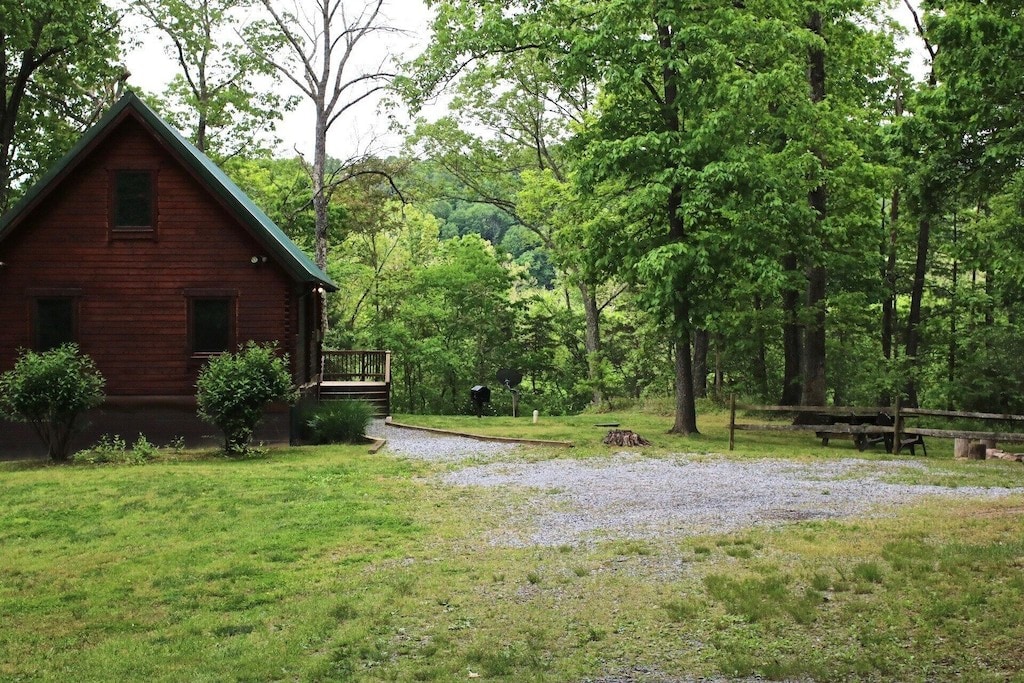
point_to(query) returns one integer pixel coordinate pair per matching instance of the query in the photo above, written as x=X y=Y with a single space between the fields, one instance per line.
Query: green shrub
x=50 y=390
x=114 y=450
x=234 y=389
x=143 y=449
x=339 y=421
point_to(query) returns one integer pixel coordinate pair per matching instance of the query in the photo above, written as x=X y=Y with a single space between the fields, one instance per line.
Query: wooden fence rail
x=900 y=435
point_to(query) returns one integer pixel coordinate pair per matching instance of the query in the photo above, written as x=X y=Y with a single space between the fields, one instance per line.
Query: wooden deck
x=356 y=375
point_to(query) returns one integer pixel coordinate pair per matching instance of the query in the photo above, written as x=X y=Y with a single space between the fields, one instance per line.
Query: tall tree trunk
x=889 y=302
x=719 y=370
x=889 y=275
x=792 y=339
x=990 y=291
x=320 y=201
x=686 y=410
x=322 y=43
x=924 y=229
x=760 y=369
x=928 y=208
x=701 y=339
x=951 y=355
x=815 y=386
x=11 y=96
x=592 y=339
x=990 y=282
x=839 y=385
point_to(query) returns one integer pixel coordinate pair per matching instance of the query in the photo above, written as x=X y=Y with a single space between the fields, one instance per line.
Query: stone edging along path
x=480 y=437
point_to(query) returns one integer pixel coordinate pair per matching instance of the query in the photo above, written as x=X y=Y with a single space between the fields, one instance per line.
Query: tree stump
x=961 y=448
x=977 y=451
x=625 y=437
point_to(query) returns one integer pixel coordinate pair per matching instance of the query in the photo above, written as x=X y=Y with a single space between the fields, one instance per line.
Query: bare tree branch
x=324 y=46
x=920 y=30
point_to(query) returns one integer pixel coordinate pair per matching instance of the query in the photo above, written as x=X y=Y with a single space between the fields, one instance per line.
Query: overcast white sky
x=365 y=129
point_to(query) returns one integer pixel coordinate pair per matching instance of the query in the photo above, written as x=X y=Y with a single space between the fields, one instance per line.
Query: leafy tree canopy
x=59 y=73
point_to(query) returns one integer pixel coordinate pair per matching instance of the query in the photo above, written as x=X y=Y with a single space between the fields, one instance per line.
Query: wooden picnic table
x=865 y=429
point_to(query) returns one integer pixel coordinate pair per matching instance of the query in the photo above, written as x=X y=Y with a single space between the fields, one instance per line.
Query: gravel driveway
x=628 y=496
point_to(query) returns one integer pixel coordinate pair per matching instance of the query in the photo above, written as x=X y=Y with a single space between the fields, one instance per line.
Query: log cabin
x=138 y=248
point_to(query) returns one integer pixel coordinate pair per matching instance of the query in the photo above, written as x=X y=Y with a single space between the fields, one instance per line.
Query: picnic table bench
x=868 y=426
x=865 y=429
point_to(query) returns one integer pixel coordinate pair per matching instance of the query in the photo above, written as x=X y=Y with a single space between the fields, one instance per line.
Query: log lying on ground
x=625 y=437
x=1000 y=454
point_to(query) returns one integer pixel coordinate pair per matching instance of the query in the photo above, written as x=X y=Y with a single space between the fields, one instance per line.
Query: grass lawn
x=328 y=563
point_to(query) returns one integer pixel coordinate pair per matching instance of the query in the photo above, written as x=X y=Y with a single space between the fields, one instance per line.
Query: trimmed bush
x=50 y=390
x=234 y=389
x=339 y=421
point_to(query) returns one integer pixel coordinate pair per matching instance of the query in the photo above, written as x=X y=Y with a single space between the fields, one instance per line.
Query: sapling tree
x=50 y=390
x=234 y=389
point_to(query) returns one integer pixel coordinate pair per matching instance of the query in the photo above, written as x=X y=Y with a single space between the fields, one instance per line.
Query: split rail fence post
x=732 y=420
x=897 y=429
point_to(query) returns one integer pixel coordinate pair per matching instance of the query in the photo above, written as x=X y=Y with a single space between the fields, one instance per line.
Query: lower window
x=212 y=328
x=53 y=322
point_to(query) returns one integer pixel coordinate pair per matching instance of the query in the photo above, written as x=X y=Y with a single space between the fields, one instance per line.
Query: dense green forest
x=627 y=201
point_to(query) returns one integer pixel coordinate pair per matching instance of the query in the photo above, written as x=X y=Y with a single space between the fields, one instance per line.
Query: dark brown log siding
x=133 y=310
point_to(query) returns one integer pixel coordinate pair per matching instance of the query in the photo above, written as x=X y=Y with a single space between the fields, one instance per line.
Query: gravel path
x=628 y=496
x=413 y=443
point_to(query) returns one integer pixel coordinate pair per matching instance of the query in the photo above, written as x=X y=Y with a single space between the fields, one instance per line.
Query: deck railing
x=356 y=366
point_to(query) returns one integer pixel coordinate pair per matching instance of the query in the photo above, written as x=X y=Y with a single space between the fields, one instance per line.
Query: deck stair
x=357 y=375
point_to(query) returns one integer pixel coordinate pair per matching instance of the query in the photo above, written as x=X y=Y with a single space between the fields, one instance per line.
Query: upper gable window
x=133 y=201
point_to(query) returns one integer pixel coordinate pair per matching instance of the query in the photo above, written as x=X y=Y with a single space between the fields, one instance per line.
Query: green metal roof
x=295 y=262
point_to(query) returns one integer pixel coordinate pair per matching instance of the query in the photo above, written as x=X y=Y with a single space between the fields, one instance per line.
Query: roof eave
x=295 y=262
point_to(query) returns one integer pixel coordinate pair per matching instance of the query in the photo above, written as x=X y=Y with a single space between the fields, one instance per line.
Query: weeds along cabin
x=140 y=249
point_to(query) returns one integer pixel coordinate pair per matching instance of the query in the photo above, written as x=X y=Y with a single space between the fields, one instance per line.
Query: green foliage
x=525 y=110
x=282 y=189
x=980 y=47
x=442 y=307
x=113 y=450
x=576 y=124
x=50 y=390
x=984 y=381
x=223 y=96
x=687 y=175
x=234 y=389
x=60 y=71
x=338 y=422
